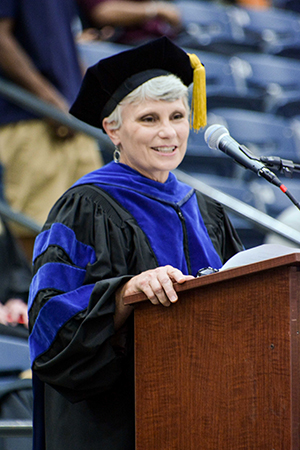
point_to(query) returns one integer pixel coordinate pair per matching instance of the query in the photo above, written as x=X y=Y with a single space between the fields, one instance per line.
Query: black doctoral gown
x=83 y=370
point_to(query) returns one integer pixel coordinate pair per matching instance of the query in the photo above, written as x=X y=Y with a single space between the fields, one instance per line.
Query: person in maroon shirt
x=132 y=21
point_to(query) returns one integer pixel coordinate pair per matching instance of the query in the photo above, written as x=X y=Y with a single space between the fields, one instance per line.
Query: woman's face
x=153 y=137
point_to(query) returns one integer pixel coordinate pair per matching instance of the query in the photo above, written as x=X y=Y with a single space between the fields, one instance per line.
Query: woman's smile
x=168 y=150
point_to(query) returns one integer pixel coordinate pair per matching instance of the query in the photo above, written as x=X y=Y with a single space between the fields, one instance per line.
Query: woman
x=127 y=227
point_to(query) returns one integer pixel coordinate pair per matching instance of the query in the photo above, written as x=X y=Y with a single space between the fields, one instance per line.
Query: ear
x=111 y=133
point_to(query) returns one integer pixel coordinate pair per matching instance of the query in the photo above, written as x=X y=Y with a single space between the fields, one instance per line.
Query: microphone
x=217 y=137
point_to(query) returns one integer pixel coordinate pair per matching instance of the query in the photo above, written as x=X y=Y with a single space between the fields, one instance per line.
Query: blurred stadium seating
x=14 y=358
x=268 y=29
x=212 y=26
x=273 y=78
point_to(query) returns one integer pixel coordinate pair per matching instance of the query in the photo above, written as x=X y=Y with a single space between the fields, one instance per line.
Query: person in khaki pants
x=39 y=166
x=40 y=158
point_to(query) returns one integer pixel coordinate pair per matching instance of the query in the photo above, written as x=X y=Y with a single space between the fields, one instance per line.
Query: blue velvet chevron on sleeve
x=65 y=280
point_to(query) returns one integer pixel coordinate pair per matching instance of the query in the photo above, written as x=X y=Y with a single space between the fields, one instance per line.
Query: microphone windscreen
x=213 y=134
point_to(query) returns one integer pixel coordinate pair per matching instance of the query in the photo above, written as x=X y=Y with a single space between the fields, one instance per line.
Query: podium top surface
x=289 y=259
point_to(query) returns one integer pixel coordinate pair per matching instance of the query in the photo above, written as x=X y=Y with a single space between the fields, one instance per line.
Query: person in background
x=13 y=312
x=15 y=277
x=252 y=4
x=125 y=228
x=41 y=158
x=132 y=22
x=255 y=4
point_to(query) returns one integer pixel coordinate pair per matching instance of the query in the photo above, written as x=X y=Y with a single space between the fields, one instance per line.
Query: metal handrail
x=16 y=428
x=261 y=220
x=8 y=213
x=23 y=98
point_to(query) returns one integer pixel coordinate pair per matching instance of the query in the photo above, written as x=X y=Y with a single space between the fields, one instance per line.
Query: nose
x=166 y=130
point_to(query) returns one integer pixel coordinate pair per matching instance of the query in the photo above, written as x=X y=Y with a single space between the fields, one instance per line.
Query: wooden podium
x=219 y=370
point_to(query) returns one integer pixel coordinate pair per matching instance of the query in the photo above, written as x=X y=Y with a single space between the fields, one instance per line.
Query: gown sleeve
x=83 y=254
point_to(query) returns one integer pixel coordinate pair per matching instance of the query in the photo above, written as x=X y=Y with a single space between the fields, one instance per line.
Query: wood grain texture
x=220 y=368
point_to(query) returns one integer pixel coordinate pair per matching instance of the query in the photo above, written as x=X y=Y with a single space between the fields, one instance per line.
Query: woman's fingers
x=158 y=284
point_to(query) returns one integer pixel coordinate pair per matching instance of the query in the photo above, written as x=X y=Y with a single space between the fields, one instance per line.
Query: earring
x=117 y=154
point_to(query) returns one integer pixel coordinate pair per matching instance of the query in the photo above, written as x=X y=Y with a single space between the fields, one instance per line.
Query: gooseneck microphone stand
x=285 y=166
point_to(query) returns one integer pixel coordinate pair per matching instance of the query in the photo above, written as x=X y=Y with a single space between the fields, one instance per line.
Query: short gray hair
x=165 y=87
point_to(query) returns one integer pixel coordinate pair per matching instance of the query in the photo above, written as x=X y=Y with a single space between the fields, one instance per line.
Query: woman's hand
x=158 y=286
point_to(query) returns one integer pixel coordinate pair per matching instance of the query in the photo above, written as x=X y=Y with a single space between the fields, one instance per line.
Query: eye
x=178 y=115
x=147 y=119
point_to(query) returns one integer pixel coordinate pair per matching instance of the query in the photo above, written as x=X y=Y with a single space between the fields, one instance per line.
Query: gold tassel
x=198 y=113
